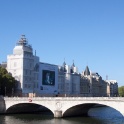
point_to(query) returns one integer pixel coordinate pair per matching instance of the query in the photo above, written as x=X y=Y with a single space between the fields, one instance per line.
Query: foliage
x=121 y=91
x=7 y=82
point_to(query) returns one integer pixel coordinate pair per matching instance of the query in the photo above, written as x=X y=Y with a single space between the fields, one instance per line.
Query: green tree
x=121 y=91
x=7 y=82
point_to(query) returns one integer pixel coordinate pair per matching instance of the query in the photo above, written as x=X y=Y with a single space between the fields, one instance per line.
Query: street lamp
x=5 y=91
x=12 y=92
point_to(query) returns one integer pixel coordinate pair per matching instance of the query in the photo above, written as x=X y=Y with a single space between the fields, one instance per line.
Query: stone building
x=21 y=65
x=68 y=80
x=92 y=84
x=35 y=78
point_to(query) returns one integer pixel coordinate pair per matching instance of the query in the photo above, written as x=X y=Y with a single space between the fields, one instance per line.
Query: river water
x=102 y=115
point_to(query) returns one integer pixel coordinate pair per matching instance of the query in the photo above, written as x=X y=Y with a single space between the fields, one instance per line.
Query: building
x=68 y=80
x=91 y=84
x=113 y=87
x=35 y=78
x=21 y=65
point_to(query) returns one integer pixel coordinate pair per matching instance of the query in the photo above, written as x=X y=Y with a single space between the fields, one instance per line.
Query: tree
x=121 y=91
x=7 y=82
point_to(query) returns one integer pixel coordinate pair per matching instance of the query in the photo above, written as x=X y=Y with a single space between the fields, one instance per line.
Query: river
x=102 y=115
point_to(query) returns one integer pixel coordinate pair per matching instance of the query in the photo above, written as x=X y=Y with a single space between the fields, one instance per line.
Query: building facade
x=92 y=84
x=21 y=65
x=113 y=87
x=68 y=80
x=35 y=78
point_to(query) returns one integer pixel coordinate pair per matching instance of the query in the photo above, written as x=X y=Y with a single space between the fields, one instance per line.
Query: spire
x=87 y=72
x=64 y=64
x=73 y=65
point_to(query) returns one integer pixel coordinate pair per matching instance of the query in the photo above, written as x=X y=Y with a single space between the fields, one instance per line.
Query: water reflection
x=39 y=119
x=28 y=119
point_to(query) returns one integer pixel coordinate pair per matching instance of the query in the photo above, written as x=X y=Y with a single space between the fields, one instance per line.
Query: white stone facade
x=21 y=65
x=44 y=79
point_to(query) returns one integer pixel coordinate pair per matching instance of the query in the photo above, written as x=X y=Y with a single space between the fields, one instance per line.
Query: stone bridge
x=64 y=106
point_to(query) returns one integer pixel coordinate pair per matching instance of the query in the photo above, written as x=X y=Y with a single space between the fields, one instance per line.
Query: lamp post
x=12 y=92
x=5 y=91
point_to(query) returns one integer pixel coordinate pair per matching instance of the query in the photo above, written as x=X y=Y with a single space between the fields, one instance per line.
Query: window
x=25 y=86
x=26 y=72
x=30 y=72
x=29 y=86
x=15 y=64
x=25 y=78
x=30 y=65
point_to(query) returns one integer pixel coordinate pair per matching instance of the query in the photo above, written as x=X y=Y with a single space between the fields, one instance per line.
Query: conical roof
x=64 y=66
x=87 y=72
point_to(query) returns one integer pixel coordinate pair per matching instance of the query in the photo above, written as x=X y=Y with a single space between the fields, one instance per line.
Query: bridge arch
x=27 y=108
x=75 y=110
x=78 y=110
x=10 y=103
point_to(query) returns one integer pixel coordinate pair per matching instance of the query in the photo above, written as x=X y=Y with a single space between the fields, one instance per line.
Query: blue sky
x=90 y=32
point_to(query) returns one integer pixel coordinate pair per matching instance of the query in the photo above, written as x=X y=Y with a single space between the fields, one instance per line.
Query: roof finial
x=64 y=62
x=106 y=77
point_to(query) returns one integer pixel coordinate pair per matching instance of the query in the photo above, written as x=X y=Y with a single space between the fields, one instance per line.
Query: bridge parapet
x=65 y=98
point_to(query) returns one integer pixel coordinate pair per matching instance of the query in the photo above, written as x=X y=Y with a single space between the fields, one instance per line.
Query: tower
x=21 y=65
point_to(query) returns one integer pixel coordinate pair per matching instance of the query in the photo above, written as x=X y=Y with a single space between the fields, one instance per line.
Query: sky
x=88 y=32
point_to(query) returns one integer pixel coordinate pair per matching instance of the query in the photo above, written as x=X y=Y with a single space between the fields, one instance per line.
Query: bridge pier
x=58 y=114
